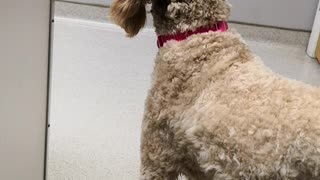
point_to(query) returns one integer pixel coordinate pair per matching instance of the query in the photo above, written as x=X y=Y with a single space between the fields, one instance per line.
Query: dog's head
x=169 y=15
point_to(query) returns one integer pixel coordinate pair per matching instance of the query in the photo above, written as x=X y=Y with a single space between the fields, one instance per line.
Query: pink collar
x=221 y=26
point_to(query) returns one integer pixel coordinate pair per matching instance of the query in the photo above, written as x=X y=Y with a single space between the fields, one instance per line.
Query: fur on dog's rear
x=215 y=112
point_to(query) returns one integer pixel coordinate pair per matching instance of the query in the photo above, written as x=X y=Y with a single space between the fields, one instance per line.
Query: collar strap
x=221 y=26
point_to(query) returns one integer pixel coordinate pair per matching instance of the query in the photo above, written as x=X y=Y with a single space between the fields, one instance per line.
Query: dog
x=215 y=111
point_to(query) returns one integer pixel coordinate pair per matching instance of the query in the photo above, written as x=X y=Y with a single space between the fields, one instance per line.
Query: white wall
x=100 y=2
x=295 y=14
x=23 y=88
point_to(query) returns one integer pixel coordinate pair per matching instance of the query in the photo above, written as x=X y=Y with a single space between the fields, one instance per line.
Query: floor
x=99 y=83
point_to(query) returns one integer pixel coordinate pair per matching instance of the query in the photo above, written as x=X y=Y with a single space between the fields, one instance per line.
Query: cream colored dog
x=214 y=111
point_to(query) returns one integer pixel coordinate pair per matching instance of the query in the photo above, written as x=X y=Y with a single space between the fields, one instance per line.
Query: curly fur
x=215 y=112
x=181 y=16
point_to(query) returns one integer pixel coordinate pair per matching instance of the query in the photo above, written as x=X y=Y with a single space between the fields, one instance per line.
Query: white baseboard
x=314 y=35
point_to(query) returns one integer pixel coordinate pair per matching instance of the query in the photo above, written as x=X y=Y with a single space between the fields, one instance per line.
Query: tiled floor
x=99 y=83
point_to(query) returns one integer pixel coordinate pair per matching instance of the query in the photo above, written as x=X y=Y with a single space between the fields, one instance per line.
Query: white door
x=24 y=52
x=314 y=35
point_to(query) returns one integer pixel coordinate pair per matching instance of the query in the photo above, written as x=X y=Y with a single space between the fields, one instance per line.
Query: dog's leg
x=159 y=158
x=158 y=165
x=157 y=173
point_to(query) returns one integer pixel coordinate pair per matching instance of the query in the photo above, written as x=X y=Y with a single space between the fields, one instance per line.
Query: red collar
x=219 y=26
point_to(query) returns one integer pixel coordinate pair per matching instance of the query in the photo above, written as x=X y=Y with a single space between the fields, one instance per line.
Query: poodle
x=215 y=111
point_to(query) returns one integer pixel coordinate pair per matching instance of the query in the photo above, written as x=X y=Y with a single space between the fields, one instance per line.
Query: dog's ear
x=129 y=14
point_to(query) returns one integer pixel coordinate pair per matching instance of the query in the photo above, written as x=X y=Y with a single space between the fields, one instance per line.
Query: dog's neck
x=170 y=18
x=220 y=26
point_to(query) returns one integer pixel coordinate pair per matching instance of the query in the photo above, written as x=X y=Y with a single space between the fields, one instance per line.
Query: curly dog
x=215 y=111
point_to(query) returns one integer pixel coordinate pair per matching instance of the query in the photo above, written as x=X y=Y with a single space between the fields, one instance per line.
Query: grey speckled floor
x=99 y=83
